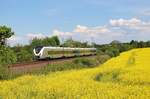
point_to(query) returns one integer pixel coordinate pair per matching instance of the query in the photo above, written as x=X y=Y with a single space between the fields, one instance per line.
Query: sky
x=99 y=21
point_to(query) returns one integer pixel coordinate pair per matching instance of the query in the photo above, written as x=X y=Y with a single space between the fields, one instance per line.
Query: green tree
x=148 y=44
x=36 y=42
x=48 y=41
x=73 y=43
x=7 y=56
x=56 y=39
x=115 y=42
x=5 y=32
x=24 y=56
x=112 y=51
x=134 y=43
x=102 y=58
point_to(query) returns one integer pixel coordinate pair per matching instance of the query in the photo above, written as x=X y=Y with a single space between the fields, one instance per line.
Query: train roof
x=69 y=48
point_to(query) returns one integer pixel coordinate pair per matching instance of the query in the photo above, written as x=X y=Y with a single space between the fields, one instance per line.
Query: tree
x=56 y=39
x=23 y=53
x=134 y=43
x=48 y=41
x=73 y=43
x=111 y=51
x=36 y=42
x=7 y=56
x=115 y=42
x=148 y=44
x=51 y=41
x=5 y=32
x=24 y=56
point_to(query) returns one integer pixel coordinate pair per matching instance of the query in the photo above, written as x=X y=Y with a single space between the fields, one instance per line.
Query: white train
x=46 y=52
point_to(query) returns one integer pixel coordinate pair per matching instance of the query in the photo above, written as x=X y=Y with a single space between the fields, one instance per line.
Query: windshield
x=38 y=49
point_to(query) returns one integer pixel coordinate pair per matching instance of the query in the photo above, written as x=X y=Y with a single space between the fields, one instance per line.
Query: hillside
x=126 y=76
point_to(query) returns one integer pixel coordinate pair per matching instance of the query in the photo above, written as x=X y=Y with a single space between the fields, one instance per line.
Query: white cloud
x=92 y=31
x=60 y=33
x=116 y=29
x=14 y=40
x=99 y=31
x=85 y=33
x=122 y=22
x=24 y=39
x=133 y=24
x=81 y=29
x=85 y=29
x=30 y=36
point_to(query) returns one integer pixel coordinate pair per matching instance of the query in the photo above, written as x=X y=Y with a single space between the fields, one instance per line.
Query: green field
x=123 y=77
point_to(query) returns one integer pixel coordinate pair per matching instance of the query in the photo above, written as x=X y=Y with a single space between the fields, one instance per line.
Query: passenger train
x=47 y=52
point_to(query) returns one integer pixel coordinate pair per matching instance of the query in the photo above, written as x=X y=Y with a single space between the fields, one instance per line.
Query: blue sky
x=29 y=18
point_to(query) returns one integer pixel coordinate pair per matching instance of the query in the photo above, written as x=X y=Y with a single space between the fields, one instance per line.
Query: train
x=48 y=52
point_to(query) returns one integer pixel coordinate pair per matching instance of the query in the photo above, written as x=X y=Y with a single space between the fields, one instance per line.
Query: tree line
x=20 y=53
x=24 y=53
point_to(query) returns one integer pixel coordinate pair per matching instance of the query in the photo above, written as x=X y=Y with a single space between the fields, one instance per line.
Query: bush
x=3 y=72
x=86 y=62
x=113 y=52
x=7 y=56
x=77 y=63
x=23 y=56
x=102 y=58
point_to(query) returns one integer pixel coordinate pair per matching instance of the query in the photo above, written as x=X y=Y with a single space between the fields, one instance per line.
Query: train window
x=93 y=50
x=60 y=52
x=76 y=51
x=38 y=49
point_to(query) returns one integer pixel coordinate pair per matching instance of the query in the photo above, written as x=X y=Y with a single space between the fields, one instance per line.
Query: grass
x=76 y=63
x=118 y=78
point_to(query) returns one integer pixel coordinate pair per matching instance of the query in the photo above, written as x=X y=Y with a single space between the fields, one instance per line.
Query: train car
x=47 y=52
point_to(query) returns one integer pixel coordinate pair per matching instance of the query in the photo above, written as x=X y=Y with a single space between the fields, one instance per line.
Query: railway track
x=24 y=67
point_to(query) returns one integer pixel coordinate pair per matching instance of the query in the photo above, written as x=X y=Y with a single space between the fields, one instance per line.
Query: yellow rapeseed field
x=124 y=77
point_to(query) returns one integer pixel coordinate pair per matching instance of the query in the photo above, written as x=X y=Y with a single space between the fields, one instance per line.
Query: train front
x=37 y=52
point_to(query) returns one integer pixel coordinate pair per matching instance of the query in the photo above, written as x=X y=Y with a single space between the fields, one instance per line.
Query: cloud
x=14 y=40
x=24 y=39
x=132 y=24
x=30 y=36
x=99 y=31
x=133 y=28
x=116 y=29
x=85 y=33
x=122 y=22
x=81 y=29
x=60 y=33
x=92 y=31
